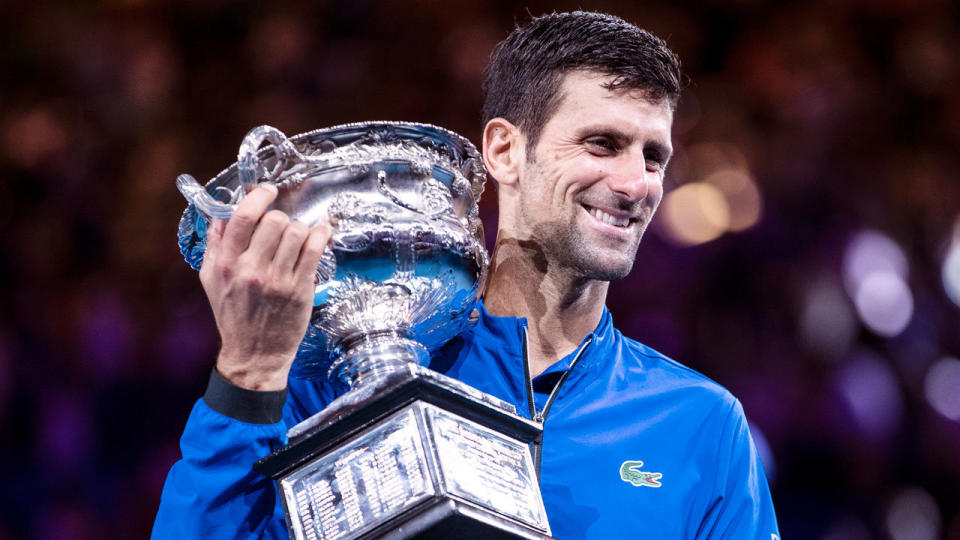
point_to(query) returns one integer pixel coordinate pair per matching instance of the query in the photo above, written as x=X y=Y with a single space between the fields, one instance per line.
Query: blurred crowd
x=807 y=255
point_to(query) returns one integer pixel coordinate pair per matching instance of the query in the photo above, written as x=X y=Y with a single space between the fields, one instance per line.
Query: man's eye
x=603 y=144
x=654 y=160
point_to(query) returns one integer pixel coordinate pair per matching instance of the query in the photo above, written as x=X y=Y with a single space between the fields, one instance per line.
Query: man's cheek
x=655 y=195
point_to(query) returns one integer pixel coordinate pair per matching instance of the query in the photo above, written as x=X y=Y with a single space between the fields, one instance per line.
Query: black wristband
x=241 y=404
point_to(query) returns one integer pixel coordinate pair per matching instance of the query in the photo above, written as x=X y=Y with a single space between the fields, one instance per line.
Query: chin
x=604 y=268
x=589 y=256
x=609 y=263
x=612 y=273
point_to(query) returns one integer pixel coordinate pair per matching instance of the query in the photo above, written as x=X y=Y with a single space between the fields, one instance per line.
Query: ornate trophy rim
x=466 y=160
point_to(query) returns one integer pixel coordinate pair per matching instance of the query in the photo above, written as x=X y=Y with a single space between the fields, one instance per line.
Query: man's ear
x=503 y=150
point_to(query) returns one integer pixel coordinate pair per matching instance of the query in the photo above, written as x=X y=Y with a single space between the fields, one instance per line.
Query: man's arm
x=744 y=508
x=213 y=491
x=258 y=274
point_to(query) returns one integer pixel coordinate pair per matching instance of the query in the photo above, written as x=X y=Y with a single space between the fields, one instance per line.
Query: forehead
x=585 y=99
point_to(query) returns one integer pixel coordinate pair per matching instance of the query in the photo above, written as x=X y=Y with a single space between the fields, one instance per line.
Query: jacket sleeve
x=212 y=492
x=743 y=508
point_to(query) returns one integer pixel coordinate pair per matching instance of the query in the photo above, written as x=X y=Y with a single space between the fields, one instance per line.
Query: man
x=578 y=112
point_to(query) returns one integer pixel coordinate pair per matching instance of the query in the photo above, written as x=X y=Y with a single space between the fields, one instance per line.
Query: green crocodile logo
x=630 y=472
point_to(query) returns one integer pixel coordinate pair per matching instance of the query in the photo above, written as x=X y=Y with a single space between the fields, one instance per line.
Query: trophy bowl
x=407 y=258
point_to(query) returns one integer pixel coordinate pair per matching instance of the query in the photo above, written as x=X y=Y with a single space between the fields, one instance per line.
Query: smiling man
x=578 y=113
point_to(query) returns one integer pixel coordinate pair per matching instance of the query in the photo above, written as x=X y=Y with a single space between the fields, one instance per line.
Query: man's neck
x=560 y=309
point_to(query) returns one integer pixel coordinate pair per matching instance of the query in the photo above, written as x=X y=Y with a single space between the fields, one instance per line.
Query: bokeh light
x=827 y=322
x=875 y=269
x=694 y=213
x=884 y=303
x=871 y=252
x=913 y=515
x=950 y=272
x=941 y=386
x=32 y=136
x=742 y=197
x=706 y=157
x=719 y=195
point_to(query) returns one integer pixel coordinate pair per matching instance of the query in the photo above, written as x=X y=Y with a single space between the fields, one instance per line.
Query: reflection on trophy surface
x=405 y=452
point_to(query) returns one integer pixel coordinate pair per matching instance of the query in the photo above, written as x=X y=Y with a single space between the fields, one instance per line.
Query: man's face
x=590 y=187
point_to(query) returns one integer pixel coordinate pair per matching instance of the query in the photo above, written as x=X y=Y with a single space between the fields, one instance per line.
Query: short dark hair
x=522 y=80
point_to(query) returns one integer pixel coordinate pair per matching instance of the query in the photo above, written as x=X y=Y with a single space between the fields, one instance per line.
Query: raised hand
x=258 y=273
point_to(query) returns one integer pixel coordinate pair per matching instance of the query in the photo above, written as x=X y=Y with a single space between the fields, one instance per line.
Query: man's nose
x=631 y=178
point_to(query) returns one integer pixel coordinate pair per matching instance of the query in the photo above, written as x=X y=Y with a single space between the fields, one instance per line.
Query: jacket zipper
x=541 y=416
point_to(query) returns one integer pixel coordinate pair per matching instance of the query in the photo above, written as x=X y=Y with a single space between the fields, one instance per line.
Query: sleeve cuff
x=244 y=405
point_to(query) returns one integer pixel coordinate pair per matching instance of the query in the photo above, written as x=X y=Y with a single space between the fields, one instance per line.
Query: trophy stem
x=371 y=357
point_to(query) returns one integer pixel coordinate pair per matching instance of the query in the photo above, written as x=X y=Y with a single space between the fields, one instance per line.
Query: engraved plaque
x=361 y=484
x=486 y=468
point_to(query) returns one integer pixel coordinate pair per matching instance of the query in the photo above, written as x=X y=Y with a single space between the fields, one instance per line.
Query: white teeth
x=608 y=219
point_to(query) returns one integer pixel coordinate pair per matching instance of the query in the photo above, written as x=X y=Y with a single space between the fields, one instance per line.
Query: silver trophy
x=403 y=452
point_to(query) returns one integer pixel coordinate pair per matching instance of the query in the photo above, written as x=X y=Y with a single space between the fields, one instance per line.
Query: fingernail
x=270 y=187
x=325 y=219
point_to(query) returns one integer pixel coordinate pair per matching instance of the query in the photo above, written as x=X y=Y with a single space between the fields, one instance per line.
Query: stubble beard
x=566 y=249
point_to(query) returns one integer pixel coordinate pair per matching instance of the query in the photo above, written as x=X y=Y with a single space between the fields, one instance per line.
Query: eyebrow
x=586 y=131
x=665 y=151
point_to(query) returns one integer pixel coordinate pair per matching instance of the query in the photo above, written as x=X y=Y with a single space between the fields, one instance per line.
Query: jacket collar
x=509 y=332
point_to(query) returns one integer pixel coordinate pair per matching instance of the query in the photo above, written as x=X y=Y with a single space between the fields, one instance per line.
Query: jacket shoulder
x=669 y=373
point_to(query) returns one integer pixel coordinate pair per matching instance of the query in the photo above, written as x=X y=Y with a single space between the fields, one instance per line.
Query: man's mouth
x=622 y=221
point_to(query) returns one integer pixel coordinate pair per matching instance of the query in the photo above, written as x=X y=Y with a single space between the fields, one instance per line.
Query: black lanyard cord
x=537 y=446
x=556 y=388
x=526 y=372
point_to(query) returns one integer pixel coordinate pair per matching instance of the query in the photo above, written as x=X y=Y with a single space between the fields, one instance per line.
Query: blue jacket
x=634 y=445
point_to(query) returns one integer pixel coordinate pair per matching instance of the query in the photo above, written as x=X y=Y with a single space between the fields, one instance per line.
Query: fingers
x=311 y=252
x=270 y=241
x=288 y=251
x=214 y=237
x=266 y=238
x=239 y=230
x=213 y=240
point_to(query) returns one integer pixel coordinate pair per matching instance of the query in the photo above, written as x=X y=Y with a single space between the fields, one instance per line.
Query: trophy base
x=359 y=409
x=451 y=518
x=417 y=458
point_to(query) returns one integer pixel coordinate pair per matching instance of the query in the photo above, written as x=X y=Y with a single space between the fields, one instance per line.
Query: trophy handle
x=201 y=198
x=250 y=167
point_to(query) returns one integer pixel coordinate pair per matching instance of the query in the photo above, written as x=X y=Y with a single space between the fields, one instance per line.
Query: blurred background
x=806 y=256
